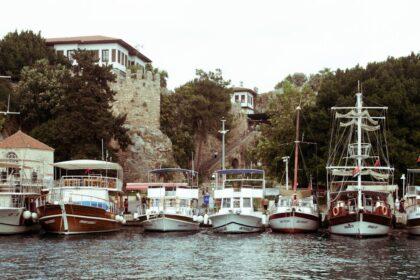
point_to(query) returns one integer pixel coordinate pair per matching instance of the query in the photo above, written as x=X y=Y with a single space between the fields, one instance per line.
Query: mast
x=359 y=149
x=286 y=161
x=223 y=132
x=295 y=177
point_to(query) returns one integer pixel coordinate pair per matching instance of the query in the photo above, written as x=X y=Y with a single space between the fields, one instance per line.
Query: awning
x=82 y=164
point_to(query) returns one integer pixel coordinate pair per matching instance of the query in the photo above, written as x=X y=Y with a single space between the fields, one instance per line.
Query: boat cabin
x=239 y=189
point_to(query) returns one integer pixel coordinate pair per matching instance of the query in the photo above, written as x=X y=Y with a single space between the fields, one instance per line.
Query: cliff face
x=138 y=96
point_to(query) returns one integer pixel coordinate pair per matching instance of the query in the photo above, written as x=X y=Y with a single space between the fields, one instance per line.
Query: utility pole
x=223 y=132
x=8 y=112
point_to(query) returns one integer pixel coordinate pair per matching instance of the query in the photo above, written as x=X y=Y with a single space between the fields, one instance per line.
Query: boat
x=239 y=193
x=296 y=212
x=359 y=174
x=412 y=202
x=171 y=195
x=84 y=200
x=17 y=197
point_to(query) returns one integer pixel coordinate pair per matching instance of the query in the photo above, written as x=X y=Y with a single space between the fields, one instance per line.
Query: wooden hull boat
x=76 y=219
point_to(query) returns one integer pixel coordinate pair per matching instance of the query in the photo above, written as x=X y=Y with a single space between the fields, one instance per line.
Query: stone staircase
x=211 y=165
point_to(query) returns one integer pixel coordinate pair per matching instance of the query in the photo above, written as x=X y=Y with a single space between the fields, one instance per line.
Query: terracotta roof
x=97 y=39
x=22 y=140
x=242 y=89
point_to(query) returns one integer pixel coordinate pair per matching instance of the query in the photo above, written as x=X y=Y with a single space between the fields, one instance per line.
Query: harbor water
x=132 y=254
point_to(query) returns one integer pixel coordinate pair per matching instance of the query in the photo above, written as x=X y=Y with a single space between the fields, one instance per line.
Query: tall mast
x=223 y=132
x=359 y=149
x=295 y=177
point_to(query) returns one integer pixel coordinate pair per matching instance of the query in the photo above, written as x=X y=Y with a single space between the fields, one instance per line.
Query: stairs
x=211 y=165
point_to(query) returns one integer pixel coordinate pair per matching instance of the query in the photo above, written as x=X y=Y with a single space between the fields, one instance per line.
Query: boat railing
x=97 y=181
x=78 y=199
x=12 y=201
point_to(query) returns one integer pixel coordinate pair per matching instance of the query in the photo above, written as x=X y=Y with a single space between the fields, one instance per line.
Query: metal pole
x=223 y=132
x=286 y=161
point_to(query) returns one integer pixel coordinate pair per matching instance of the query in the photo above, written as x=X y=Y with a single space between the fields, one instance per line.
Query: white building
x=34 y=155
x=109 y=51
x=245 y=97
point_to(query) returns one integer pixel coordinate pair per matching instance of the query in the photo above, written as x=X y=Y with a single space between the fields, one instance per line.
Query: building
x=108 y=50
x=32 y=154
x=245 y=97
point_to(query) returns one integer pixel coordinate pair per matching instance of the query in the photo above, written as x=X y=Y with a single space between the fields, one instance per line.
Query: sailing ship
x=238 y=193
x=171 y=204
x=412 y=202
x=296 y=213
x=84 y=200
x=17 y=197
x=359 y=194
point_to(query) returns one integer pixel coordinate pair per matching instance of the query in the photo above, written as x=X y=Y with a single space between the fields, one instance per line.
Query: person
x=265 y=204
x=126 y=206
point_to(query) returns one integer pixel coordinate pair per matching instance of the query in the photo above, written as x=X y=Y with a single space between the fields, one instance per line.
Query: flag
x=377 y=163
x=356 y=171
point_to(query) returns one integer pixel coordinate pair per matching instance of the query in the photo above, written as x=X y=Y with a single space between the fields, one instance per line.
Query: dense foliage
x=394 y=83
x=70 y=109
x=193 y=111
x=23 y=49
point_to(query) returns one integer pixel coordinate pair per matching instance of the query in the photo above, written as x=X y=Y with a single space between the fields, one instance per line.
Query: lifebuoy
x=384 y=210
x=336 y=211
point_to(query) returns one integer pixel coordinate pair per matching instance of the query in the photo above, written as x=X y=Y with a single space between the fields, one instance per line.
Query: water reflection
x=134 y=254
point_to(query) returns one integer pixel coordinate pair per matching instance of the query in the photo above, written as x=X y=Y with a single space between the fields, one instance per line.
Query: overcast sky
x=257 y=42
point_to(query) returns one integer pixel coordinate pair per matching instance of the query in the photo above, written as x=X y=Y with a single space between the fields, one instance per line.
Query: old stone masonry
x=138 y=96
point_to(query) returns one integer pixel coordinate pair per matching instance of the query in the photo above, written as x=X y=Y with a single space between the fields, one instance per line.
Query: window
x=246 y=202
x=12 y=156
x=226 y=203
x=236 y=98
x=113 y=55
x=60 y=53
x=250 y=100
x=126 y=59
x=119 y=56
x=242 y=98
x=105 y=55
x=236 y=202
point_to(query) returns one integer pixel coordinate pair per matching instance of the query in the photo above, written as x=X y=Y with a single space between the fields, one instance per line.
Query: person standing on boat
x=126 y=206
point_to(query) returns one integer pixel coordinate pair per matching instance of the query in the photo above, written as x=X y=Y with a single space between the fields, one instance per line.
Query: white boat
x=171 y=204
x=294 y=213
x=359 y=175
x=17 y=198
x=84 y=200
x=412 y=202
x=239 y=193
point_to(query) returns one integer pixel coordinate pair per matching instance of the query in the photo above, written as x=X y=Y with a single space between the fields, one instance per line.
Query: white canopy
x=81 y=164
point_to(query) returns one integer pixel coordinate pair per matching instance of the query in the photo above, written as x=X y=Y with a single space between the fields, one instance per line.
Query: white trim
x=77 y=216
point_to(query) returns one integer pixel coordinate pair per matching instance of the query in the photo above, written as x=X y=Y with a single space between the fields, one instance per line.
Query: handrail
x=90 y=181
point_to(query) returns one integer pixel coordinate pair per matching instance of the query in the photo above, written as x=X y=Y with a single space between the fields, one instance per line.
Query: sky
x=255 y=42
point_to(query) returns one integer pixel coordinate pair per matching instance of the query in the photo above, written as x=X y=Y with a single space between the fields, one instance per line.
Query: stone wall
x=138 y=96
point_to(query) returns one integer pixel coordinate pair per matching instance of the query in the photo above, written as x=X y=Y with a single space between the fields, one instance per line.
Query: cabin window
x=126 y=59
x=156 y=202
x=246 y=202
x=105 y=55
x=242 y=98
x=236 y=202
x=183 y=203
x=236 y=98
x=113 y=55
x=226 y=203
x=119 y=56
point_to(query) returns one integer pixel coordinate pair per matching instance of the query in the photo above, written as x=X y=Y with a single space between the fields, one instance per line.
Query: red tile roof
x=22 y=140
x=97 y=39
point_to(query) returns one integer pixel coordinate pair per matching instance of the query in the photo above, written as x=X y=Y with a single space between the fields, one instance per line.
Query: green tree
x=79 y=114
x=24 y=49
x=193 y=111
x=41 y=91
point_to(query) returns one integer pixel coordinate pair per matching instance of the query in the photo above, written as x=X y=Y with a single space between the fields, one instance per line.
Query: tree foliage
x=193 y=111
x=23 y=49
x=394 y=83
x=71 y=112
